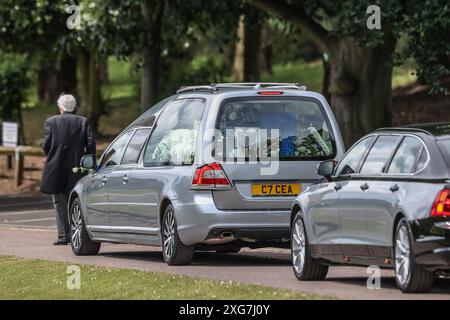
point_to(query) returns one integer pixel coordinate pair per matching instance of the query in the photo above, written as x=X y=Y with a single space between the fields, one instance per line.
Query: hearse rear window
x=304 y=132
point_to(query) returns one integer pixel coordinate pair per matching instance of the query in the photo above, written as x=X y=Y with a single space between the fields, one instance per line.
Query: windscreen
x=299 y=126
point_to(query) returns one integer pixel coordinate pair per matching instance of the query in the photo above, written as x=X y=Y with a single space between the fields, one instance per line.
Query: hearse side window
x=173 y=139
x=114 y=154
x=379 y=154
x=133 y=149
x=405 y=158
x=351 y=161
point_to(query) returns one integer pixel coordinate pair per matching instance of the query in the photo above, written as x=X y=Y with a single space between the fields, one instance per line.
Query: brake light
x=441 y=206
x=210 y=176
x=270 y=93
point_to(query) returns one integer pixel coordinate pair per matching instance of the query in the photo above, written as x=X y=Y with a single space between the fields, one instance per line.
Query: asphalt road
x=27 y=229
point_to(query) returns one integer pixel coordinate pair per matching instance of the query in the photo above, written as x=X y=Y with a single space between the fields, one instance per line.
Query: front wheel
x=409 y=276
x=304 y=265
x=81 y=243
x=174 y=251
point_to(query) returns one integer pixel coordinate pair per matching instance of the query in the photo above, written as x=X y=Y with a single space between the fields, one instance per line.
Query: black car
x=386 y=203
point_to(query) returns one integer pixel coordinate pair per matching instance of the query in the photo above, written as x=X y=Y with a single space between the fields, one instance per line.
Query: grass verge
x=40 y=279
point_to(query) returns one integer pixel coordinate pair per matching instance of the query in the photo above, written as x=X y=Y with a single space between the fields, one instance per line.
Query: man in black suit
x=67 y=138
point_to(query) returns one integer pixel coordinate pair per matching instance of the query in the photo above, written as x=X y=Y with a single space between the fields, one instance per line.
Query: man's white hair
x=67 y=102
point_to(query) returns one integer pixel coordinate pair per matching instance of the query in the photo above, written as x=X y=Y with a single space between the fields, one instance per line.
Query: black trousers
x=60 y=201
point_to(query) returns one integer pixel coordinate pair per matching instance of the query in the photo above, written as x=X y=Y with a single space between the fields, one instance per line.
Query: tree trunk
x=360 y=86
x=237 y=74
x=67 y=74
x=91 y=104
x=47 y=82
x=266 y=54
x=247 y=55
x=152 y=12
x=252 y=45
x=95 y=94
x=83 y=64
x=326 y=76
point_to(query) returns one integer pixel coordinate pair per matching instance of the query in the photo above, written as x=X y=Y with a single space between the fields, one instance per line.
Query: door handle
x=364 y=186
x=337 y=186
x=394 y=187
x=104 y=180
x=125 y=179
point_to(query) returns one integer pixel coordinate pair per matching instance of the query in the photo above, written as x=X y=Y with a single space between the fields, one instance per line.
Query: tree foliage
x=425 y=23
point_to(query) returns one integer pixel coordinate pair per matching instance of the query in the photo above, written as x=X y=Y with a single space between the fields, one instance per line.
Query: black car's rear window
x=303 y=128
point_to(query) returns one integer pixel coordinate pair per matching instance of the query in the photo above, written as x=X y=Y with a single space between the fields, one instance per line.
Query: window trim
x=361 y=160
x=155 y=125
x=416 y=172
x=140 y=150
x=112 y=143
x=385 y=174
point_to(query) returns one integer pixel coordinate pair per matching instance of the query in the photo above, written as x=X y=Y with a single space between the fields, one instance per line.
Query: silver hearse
x=213 y=167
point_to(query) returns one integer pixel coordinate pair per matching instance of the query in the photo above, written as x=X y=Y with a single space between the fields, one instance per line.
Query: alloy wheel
x=402 y=256
x=168 y=234
x=76 y=225
x=298 y=246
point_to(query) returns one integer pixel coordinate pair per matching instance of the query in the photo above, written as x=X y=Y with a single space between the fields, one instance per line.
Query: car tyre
x=409 y=276
x=80 y=241
x=174 y=251
x=305 y=267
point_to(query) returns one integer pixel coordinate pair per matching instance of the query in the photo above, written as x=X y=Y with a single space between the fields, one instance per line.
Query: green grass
x=309 y=74
x=39 y=279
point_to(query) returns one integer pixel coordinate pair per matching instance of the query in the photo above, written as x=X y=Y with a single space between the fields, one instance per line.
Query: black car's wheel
x=80 y=241
x=305 y=267
x=409 y=276
x=174 y=251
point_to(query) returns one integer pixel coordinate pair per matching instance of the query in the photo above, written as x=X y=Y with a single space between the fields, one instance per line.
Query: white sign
x=10 y=134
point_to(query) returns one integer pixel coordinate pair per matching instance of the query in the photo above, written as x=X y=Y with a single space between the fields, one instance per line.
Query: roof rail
x=404 y=129
x=214 y=87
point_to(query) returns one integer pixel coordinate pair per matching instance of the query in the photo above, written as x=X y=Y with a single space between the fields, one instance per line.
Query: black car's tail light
x=210 y=176
x=441 y=206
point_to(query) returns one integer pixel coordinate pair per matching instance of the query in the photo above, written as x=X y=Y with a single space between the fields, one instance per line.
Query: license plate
x=276 y=189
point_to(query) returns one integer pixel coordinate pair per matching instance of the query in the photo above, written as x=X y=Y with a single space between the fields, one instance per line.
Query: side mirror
x=88 y=162
x=326 y=168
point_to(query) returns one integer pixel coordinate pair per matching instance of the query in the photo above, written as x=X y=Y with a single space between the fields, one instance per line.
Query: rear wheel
x=305 y=267
x=409 y=276
x=80 y=240
x=174 y=251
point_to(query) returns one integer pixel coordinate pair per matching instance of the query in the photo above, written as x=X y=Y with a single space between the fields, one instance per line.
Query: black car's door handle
x=125 y=179
x=394 y=187
x=337 y=186
x=364 y=186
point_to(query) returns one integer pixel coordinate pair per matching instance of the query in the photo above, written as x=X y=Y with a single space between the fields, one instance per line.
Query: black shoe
x=60 y=242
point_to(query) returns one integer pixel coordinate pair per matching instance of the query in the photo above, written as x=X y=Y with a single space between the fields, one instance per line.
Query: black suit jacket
x=67 y=138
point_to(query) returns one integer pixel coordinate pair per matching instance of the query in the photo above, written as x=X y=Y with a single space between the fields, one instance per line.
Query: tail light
x=441 y=206
x=210 y=176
